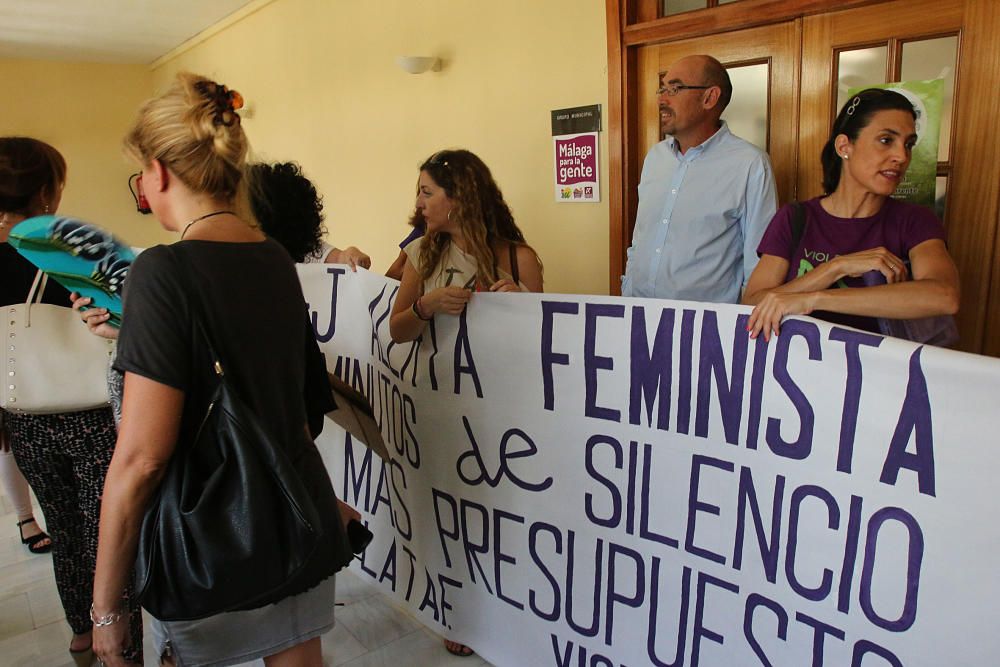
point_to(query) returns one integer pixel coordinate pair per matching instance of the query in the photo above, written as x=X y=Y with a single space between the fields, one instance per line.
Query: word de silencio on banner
x=630 y=482
x=574 y=144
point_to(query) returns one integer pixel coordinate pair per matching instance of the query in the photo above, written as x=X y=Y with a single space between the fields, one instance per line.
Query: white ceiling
x=111 y=31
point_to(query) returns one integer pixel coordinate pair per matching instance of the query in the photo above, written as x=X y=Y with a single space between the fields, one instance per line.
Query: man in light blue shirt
x=705 y=195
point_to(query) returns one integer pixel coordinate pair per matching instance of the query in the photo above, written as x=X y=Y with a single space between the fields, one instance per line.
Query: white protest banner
x=597 y=481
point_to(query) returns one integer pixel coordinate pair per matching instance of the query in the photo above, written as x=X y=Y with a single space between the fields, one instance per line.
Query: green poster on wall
x=918 y=186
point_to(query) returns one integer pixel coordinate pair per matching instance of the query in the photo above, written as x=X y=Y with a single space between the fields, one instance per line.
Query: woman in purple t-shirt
x=854 y=230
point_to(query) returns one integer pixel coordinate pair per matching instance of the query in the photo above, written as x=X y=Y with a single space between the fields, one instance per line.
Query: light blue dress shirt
x=701 y=216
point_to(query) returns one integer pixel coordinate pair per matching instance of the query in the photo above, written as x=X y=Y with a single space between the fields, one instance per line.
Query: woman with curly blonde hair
x=472 y=244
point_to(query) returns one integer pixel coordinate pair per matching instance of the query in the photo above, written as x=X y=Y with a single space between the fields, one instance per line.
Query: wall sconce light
x=418 y=64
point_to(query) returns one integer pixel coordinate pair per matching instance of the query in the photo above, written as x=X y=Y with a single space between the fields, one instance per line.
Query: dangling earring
x=449 y=215
x=46 y=209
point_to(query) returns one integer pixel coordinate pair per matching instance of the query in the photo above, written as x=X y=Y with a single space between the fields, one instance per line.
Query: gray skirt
x=242 y=636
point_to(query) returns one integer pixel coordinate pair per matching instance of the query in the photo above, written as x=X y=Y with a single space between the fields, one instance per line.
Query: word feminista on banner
x=584 y=481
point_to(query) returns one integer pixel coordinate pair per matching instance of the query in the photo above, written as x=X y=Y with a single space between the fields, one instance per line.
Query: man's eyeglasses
x=672 y=89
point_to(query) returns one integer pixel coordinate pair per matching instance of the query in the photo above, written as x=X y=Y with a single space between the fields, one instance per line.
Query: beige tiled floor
x=370 y=631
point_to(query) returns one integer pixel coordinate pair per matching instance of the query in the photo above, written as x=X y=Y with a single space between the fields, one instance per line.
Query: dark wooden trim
x=645 y=11
x=627 y=12
x=975 y=217
x=616 y=178
x=735 y=16
x=631 y=162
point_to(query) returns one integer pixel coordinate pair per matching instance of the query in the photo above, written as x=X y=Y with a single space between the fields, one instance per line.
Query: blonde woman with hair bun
x=192 y=151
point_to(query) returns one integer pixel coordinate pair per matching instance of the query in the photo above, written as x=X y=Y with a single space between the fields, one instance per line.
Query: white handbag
x=52 y=363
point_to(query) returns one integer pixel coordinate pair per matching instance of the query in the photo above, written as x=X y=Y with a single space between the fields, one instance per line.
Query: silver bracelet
x=106 y=620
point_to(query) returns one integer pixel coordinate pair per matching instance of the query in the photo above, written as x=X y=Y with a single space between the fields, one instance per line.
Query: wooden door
x=897 y=39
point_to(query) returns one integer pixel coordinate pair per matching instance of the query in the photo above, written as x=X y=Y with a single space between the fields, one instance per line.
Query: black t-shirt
x=16 y=276
x=256 y=316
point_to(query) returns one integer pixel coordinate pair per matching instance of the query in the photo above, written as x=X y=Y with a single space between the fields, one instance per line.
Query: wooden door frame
x=632 y=24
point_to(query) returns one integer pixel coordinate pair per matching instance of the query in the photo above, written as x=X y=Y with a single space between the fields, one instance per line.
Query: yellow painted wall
x=84 y=110
x=323 y=89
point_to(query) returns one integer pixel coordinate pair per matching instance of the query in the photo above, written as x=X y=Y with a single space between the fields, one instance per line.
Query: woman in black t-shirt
x=63 y=456
x=192 y=151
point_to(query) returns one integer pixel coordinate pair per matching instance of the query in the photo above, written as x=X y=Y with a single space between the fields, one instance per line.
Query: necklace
x=202 y=217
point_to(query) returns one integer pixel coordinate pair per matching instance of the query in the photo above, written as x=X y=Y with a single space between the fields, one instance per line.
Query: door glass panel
x=678 y=6
x=747 y=111
x=859 y=68
x=934 y=59
x=940 y=196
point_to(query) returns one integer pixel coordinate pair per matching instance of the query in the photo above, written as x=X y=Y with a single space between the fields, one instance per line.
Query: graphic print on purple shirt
x=898 y=227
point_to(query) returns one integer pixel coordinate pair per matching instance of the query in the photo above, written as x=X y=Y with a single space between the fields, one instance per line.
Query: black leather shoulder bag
x=232 y=526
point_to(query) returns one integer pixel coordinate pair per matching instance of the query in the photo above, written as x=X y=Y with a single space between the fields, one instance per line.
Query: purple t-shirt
x=415 y=233
x=898 y=227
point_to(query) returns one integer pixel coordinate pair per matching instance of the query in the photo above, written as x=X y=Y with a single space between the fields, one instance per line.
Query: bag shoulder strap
x=197 y=306
x=35 y=294
x=514 y=273
x=38 y=286
x=800 y=218
x=512 y=254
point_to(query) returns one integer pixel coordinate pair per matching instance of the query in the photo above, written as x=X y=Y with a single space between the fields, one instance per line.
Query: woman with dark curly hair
x=290 y=211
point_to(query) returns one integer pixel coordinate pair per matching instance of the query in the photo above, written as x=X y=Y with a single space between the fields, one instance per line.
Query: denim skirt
x=241 y=636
